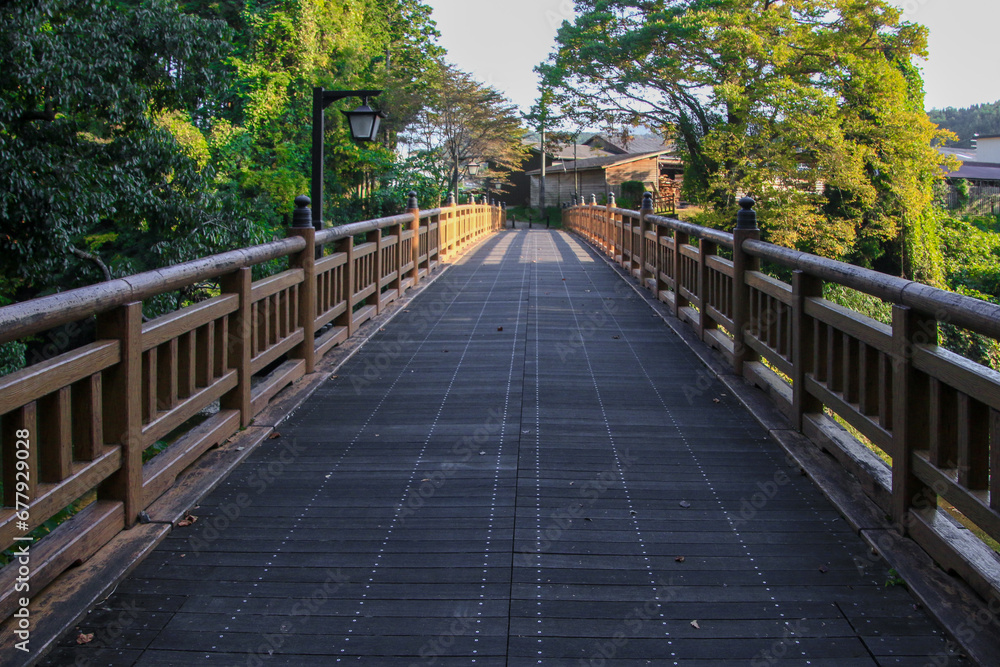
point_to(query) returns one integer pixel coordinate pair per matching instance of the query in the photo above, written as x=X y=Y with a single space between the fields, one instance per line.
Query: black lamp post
x=364 y=122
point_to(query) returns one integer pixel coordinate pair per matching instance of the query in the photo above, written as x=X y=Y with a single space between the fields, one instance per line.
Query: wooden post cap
x=303 y=214
x=746 y=217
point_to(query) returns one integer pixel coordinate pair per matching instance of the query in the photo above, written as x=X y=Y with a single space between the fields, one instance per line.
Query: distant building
x=981 y=170
x=660 y=172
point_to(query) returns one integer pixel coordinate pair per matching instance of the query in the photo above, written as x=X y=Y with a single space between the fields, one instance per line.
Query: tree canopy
x=811 y=106
x=138 y=133
x=464 y=120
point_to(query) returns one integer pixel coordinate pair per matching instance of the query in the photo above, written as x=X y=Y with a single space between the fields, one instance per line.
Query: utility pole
x=541 y=187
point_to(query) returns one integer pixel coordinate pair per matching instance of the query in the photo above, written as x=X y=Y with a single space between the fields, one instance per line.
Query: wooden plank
x=52 y=498
x=332 y=337
x=972 y=503
x=189 y=407
x=943 y=425
x=330 y=262
x=861 y=327
x=958 y=372
x=719 y=317
x=88 y=427
x=274 y=352
x=770 y=286
x=973 y=443
x=187 y=362
x=68 y=543
x=281 y=377
x=770 y=354
x=995 y=460
x=159 y=331
x=720 y=265
x=161 y=472
x=55 y=443
x=205 y=346
x=850 y=413
x=31 y=383
x=166 y=376
x=21 y=443
x=267 y=287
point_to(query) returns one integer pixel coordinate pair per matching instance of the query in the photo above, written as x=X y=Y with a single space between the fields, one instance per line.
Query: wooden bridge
x=613 y=447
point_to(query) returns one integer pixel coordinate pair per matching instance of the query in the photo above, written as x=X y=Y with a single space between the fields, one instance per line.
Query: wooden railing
x=76 y=425
x=933 y=413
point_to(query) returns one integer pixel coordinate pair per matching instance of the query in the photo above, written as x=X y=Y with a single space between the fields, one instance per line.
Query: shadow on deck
x=527 y=466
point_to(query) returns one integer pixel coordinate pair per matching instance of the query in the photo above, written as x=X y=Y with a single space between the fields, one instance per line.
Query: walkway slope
x=525 y=467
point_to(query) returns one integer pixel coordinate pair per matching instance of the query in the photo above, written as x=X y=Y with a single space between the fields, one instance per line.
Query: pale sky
x=500 y=41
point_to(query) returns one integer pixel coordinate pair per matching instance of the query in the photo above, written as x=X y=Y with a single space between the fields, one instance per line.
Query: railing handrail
x=30 y=317
x=35 y=315
x=969 y=312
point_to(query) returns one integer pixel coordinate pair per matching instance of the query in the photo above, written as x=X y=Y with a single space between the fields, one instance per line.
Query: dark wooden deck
x=525 y=467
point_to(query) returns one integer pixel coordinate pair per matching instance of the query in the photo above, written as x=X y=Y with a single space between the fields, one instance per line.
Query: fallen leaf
x=685 y=504
x=694 y=624
x=679 y=559
x=85 y=638
x=482 y=453
x=615 y=337
x=426 y=479
x=499 y=328
x=715 y=400
x=187 y=520
x=824 y=569
x=274 y=435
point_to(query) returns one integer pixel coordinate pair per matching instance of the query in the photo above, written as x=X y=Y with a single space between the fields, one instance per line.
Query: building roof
x=978 y=171
x=641 y=144
x=964 y=154
x=598 y=162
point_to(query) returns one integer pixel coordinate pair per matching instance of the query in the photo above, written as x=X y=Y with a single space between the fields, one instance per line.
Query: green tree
x=102 y=171
x=466 y=121
x=811 y=106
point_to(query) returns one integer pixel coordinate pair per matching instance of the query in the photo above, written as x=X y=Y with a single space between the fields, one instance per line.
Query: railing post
x=910 y=409
x=706 y=249
x=646 y=210
x=680 y=239
x=413 y=208
x=804 y=287
x=348 y=288
x=122 y=402
x=746 y=229
x=240 y=350
x=609 y=225
x=305 y=260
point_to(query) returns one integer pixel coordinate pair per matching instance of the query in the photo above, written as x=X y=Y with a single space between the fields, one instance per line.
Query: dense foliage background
x=139 y=133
